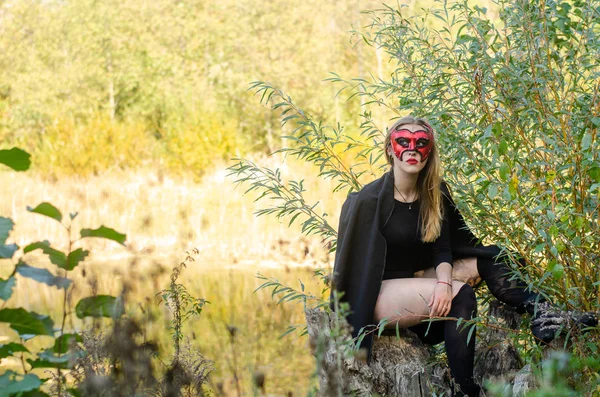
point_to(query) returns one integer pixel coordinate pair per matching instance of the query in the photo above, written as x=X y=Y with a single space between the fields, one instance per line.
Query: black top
x=406 y=252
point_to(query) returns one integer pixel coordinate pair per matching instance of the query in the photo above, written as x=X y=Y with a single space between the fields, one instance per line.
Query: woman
x=406 y=222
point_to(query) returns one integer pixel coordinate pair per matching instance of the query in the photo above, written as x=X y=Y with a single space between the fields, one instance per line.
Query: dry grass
x=163 y=217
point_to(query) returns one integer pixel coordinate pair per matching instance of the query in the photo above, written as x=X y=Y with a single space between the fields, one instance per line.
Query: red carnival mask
x=418 y=141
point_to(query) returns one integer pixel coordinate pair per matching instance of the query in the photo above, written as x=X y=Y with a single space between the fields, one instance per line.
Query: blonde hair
x=428 y=182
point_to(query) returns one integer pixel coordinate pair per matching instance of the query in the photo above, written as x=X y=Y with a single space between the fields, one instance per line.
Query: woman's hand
x=441 y=300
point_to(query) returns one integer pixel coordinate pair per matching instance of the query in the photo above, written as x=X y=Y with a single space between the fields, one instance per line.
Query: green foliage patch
x=115 y=364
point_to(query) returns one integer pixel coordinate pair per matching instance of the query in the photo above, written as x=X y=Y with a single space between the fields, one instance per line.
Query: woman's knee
x=456 y=286
x=404 y=300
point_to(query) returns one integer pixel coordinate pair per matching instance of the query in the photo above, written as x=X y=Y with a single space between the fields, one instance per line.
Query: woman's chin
x=410 y=168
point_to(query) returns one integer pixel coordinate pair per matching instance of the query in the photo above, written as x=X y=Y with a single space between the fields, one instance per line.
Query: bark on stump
x=405 y=366
x=495 y=356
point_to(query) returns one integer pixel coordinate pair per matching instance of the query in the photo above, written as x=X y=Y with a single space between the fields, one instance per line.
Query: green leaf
x=497 y=129
x=381 y=326
x=10 y=348
x=75 y=257
x=34 y=393
x=57 y=257
x=586 y=142
x=63 y=342
x=471 y=331
x=104 y=232
x=8 y=251
x=15 y=158
x=27 y=323
x=504 y=171
x=10 y=384
x=513 y=185
x=48 y=210
x=291 y=328
x=48 y=359
x=6 y=287
x=594 y=173
x=42 y=276
x=99 y=306
x=558 y=271
x=40 y=363
x=503 y=148
x=6 y=225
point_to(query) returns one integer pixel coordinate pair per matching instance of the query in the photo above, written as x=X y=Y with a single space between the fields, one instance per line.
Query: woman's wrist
x=444 y=272
x=444 y=282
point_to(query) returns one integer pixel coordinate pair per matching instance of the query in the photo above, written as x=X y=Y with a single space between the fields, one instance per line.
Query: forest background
x=132 y=110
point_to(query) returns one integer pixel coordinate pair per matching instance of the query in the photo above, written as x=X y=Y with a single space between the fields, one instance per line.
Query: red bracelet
x=443 y=282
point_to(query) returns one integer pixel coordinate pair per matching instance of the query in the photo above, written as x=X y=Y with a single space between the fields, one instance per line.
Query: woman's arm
x=442 y=247
x=444 y=272
x=441 y=299
x=339 y=279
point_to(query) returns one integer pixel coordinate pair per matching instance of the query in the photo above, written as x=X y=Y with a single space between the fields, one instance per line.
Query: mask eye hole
x=402 y=142
x=422 y=142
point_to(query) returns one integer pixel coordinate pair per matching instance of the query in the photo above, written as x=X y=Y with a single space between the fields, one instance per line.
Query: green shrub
x=515 y=102
x=64 y=352
x=85 y=363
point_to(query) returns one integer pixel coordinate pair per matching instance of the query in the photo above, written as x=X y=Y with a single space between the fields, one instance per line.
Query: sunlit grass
x=162 y=215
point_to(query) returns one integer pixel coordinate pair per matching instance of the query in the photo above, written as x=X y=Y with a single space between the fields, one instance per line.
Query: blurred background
x=132 y=110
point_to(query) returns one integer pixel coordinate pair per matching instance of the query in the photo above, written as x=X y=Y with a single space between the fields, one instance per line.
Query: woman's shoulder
x=444 y=187
x=368 y=193
x=446 y=193
x=374 y=188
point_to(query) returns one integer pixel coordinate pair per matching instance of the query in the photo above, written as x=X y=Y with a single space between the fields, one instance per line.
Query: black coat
x=361 y=248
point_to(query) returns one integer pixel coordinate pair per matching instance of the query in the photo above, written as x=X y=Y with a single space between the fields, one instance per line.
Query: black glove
x=548 y=322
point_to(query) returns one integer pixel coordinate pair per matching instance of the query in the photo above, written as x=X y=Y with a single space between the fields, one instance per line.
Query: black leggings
x=497 y=273
x=461 y=354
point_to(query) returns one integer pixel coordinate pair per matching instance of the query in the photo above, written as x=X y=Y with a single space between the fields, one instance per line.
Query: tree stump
x=405 y=366
x=495 y=356
x=399 y=367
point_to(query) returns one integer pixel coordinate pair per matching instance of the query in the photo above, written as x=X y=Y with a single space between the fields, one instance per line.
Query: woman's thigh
x=464 y=270
x=405 y=301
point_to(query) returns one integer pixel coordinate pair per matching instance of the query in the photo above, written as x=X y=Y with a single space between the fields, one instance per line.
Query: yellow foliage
x=68 y=146
x=195 y=143
x=99 y=145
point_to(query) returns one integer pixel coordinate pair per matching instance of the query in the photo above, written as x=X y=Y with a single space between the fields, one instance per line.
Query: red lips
x=412 y=161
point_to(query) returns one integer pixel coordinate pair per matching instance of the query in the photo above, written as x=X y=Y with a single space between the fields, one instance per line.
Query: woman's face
x=410 y=147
